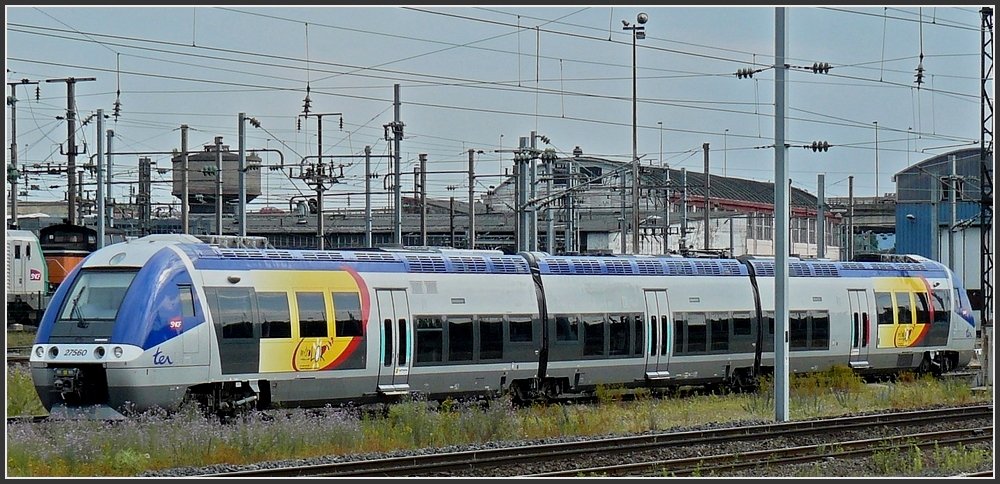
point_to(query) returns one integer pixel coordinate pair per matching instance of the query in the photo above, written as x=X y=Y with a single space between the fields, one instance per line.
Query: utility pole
x=144 y=198
x=451 y=220
x=241 y=175
x=708 y=196
x=953 y=202
x=111 y=205
x=472 y=200
x=782 y=212
x=820 y=216
x=368 y=196
x=532 y=194
x=12 y=172
x=318 y=176
x=100 y=179
x=218 y=185
x=684 y=211
x=71 y=149
x=570 y=236
x=397 y=136
x=185 y=217
x=850 y=217
x=423 y=198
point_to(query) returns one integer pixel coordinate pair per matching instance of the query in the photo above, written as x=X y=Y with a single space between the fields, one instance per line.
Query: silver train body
x=157 y=321
x=26 y=278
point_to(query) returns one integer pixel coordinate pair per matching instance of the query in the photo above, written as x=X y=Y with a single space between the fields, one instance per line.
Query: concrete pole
x=12 y=101
x=368 y=196
x=71 y=150
x=110 y=206
x=684 y=210
x=781 y=204
x=218 y=185
x=423 y=198
x=185 y=189
x=635 y=162
x=320 y=176
x=550 y=229
x=532 y=194
x=472 y=202
x=953 y=202
x=708 y=197
x=100 y=179
x=820 y=216
x=242 y=175
x=397 y=195
x=850 y=217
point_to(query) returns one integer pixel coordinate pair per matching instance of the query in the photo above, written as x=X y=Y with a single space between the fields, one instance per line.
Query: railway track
x=771 y=458
x=481 y=462
x=18 y=355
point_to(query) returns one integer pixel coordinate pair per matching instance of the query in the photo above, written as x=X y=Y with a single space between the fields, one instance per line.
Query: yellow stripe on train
x=905 y=330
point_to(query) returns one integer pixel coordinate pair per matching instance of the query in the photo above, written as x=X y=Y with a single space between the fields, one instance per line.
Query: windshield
x=96 y=296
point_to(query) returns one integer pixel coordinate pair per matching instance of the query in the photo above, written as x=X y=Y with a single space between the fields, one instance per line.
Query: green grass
x=20 y=338
x=149 y=442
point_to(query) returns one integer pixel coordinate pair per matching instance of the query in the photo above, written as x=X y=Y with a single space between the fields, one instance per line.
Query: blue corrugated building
x=924 y=214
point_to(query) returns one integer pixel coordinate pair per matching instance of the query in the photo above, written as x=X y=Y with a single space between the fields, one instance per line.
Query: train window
x=593 y=335
x=387 y=348
x=430 y=342
x=741 y=324
x=653 y=341
x=275 y=319
x=922 y=308
x=96 y=296
x=491 y=337
x=664 y=326
x=905 y=308
x=186 y=300
x=719 y=323
x=567 y=328
x=347 y=314
x=520 y=329
x=27 y=252
x=680 y=320
x=639 y=338
x=618 y=331
x=235 y=312
x=820 y=339
x=883 y=304
x=697 y=333
x=939 y=303
x=17 y=251
x=312 y=314
x=403 y=343
x=769 y=338
x=798 y=331
x=459 y=338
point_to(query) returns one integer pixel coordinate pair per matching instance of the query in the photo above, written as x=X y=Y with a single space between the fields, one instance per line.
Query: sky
x=482 y=76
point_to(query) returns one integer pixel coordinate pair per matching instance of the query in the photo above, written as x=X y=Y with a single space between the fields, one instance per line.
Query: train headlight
x=118 y=351
x=99 y=352
x=39 y=351
x=53 y=352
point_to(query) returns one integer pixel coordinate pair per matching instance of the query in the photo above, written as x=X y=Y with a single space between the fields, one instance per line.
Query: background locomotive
x=156 y=321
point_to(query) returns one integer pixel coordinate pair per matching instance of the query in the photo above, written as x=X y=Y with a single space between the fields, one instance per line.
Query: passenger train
x=27 y=278
x=165 y=319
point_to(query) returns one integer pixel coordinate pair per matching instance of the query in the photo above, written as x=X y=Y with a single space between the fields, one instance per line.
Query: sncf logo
x=35 y=275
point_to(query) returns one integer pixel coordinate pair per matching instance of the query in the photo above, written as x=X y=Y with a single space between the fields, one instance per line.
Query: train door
x=861 y=329
x=396 y=335
x=17 y=265
x=660 y=334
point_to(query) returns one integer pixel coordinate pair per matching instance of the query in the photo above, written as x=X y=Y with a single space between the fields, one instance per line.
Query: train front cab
x=105 y=342
x=914 y=323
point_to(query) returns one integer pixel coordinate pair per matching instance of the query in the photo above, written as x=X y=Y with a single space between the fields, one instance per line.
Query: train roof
x=207 y=256
x=447 y=260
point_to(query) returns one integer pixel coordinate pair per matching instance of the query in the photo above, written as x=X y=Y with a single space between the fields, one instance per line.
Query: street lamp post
x=638 y=32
